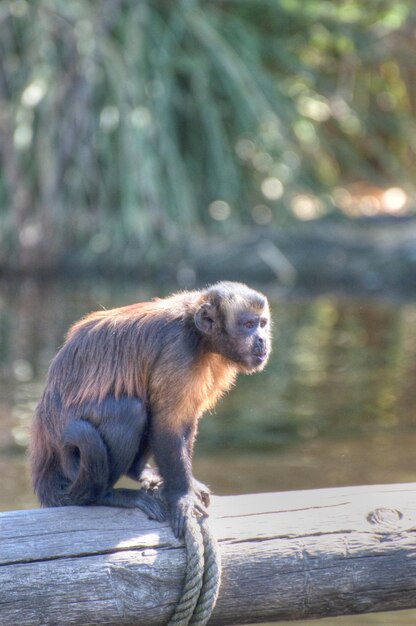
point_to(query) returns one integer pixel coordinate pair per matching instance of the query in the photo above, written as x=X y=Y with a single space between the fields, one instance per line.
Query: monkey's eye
x=263 y=322
x=249 y=324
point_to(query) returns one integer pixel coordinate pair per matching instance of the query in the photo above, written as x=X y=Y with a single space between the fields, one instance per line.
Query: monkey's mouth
x=257 y=361
x=260 y=357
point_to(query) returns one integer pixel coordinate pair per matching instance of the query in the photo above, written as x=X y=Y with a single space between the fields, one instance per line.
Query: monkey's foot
x=202 y=491
x=151 y=506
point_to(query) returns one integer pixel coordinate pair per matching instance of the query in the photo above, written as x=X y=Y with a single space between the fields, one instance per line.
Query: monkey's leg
x=123 y=427
x=120 y=423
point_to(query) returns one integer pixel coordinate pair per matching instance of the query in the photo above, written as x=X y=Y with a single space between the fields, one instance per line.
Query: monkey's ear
x=204 y=317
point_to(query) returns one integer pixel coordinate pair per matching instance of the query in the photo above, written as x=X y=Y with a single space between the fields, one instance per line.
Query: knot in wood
x=388 y=518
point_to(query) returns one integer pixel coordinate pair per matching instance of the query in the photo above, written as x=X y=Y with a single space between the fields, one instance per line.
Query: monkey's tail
x=85 y=462
x=77 y=474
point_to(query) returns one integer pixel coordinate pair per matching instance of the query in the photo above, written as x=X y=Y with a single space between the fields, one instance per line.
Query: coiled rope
x=203 y=576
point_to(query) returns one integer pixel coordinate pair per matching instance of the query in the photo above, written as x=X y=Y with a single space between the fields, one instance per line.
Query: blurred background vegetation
x=128 y=129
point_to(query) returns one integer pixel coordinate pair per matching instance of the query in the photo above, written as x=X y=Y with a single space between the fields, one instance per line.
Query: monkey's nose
x=260 y=347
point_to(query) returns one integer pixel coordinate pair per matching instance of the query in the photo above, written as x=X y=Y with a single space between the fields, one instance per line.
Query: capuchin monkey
x=133 y=382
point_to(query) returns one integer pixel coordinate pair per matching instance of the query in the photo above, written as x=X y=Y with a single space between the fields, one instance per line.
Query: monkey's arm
x=202 y=491
x=170 y=450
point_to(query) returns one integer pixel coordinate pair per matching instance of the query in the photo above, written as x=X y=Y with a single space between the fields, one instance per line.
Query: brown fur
x=176 y=356
x=149 y=369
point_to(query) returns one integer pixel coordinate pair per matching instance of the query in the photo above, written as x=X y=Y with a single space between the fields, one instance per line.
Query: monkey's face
x=247 y=339
x=236 y=323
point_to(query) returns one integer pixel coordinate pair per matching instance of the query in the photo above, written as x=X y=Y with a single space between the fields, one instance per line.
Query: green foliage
x=126 y=125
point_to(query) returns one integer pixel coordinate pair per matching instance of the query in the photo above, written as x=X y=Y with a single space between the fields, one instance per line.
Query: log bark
x=291 y=555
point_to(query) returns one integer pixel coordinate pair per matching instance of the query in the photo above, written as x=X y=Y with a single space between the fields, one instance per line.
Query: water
x=335 y=406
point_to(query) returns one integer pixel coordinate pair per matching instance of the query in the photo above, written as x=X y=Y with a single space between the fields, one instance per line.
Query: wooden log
x=291 y=555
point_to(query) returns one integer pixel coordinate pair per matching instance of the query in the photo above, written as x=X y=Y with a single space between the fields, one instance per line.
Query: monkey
x=132 y=382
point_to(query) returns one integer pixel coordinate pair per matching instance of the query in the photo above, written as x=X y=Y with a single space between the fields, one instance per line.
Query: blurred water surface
x=335 y=405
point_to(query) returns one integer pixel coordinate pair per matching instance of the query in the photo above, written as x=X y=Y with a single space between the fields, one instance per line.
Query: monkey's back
x=114 y=353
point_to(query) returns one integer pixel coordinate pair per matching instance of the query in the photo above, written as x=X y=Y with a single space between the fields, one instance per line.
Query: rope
x=203 y=576
x=212 y=577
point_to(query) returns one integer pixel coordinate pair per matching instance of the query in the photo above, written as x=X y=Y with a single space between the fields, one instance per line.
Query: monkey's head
x=235 y=322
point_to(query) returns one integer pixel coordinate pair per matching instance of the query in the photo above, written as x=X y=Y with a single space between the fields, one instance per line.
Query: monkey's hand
x=150 y=479
x=182 y=507
x=202 y=491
